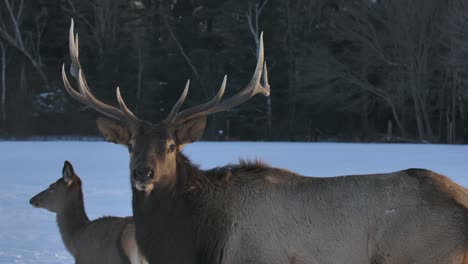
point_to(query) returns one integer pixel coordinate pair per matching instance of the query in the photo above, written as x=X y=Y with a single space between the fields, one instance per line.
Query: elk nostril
x=34 y=203
x=144 y=172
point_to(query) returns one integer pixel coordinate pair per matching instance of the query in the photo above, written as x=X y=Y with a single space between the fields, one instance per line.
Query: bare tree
x=300 y=20
x=354 y=23
x=402 y=36
x=100 y=17
x=179 y=46
x=451 y=100
x=254 y=12
x=27 y=43
x=413 y=30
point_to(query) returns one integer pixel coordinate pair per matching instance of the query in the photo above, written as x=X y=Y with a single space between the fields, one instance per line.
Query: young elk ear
x=113 y=131
x=68 y=174
x=190 y=131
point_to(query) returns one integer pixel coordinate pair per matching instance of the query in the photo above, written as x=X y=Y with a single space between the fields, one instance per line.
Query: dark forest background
x=349 y=70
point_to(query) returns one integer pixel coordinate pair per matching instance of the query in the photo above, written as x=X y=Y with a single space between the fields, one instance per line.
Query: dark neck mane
x=165 y=218
x=72 y=218
x=188 y=174
x=187 y=219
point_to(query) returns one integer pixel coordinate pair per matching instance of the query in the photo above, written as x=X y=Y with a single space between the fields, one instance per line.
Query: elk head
x=153 y=148
x=54 y=198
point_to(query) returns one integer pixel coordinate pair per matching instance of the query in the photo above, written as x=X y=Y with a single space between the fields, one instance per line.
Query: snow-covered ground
x=29 y=235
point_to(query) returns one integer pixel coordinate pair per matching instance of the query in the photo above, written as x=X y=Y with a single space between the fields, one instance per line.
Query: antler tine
x=74 y=68
x=253 y=87
x=77 y=96
x=179 y=103
x=85 y=95
x=199 y=110
x=73 y=50
x=129 y=114
x=266 y=84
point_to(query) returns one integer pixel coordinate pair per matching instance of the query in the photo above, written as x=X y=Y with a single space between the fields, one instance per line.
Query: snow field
x=30 y=235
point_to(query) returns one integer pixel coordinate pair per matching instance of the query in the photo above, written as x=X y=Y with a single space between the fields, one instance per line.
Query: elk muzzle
x=142 y=178
x=35 y=201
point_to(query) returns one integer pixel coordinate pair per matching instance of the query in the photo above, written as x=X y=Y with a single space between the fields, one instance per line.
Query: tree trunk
x=398 y=120
x=291 y=96
x=389 y=130
x=139 y=81
x=291 y=72
x=416 y=107
x=269 y=119
x=365 y=120
x=426 y=119
x=3 y=108
x=454 y=107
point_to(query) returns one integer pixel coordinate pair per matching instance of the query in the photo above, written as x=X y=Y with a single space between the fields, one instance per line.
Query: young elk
x=253 y=213
x=104 y=240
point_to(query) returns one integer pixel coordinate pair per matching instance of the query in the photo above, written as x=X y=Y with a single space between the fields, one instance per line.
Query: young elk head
x=55 y=197
x=153 y=148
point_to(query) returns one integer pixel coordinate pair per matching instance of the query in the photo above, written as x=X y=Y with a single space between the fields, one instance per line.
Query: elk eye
x=172 y=147
x=130 y=148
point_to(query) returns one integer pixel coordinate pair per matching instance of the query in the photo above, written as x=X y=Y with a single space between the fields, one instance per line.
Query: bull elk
x=104 y=240
x=253 y=213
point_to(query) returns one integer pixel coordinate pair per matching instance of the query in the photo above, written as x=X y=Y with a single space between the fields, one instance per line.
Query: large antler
x=84 y=95
x=253 y=87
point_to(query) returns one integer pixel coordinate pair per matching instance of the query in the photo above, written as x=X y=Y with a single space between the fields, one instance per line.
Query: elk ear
x=190 y=131
x=113 y=131
x=68 y=174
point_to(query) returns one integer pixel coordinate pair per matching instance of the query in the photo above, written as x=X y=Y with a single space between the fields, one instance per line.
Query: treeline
x=354 y=70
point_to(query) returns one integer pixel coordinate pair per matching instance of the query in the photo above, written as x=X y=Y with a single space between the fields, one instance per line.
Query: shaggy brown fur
x=253 y=213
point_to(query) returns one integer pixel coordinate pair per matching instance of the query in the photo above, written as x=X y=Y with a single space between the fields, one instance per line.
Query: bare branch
x=181 y=49
x=253 y=15
x=16 y=39
x=20 y=10
x=254 y=87
x=14 y=22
